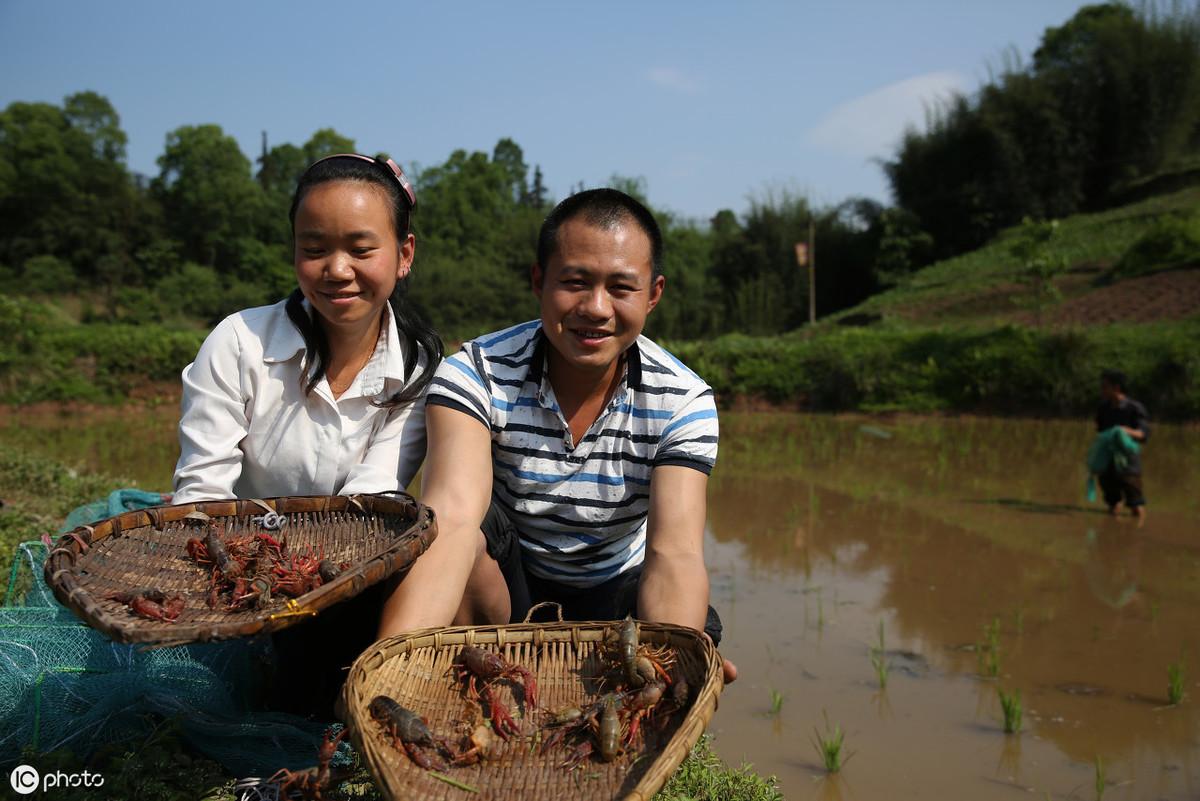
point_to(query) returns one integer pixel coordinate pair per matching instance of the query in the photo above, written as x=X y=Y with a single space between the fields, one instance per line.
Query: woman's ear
x=408 y=249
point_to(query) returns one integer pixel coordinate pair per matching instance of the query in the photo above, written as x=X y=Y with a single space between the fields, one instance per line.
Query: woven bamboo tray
x=377 y=534
x=414 y=668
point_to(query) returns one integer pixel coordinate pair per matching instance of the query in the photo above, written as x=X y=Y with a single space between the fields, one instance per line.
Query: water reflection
x=832 y=529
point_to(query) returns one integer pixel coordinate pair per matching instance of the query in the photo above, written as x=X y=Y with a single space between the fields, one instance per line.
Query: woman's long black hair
x=416 y=335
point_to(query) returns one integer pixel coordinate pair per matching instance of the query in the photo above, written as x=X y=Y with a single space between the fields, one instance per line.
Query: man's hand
x=1133 y=432
x=729 y=669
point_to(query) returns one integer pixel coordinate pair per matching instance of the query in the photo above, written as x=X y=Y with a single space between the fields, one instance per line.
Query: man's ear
x=656 y=290
x=536 y=277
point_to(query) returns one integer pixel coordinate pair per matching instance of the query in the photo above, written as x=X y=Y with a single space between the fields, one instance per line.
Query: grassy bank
x=1008 y=369
x=46 y=356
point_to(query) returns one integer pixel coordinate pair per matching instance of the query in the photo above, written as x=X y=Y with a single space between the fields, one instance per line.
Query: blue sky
x=711 y=103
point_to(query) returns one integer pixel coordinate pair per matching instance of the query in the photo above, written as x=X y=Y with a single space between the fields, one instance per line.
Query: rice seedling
x=1010 y=703
x=1175 y=682
x=1154 y=607
x=776 y=702
x=878 y=662
x=1101 y=782
x=989 y=649
x=829 y=746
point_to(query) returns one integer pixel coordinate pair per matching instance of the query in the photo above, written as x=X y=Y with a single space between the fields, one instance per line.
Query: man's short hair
x=603 y=208
x=1115 y=378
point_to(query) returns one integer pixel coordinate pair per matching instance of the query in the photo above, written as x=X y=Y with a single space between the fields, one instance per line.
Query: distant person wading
x=1122 y=481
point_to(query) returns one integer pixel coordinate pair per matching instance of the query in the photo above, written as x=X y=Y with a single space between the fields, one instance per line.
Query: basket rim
x=352 y=700
x=63 y=580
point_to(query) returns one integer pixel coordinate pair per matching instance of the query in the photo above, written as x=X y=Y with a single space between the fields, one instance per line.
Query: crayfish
x=255 y=568
x=481 y=669
x=151 y=604
x=410 y=730
x=602 y=719
x=310 y=782
x=639 y=664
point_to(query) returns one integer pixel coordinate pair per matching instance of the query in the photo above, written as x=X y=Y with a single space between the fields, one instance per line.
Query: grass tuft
x=704 y=777
x=829 y=747
x=1011 y=704
x=1175 y=680
x=776 y=703
x=879 y=662
x=989 y=649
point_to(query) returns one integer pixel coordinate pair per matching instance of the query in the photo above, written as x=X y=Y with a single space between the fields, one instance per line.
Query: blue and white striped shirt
x=580 y=509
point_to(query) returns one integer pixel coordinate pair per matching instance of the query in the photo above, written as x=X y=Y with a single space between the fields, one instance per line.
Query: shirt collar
x=537 y=363
x=283 y=342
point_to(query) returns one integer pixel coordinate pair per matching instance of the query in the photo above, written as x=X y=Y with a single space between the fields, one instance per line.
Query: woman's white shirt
x=248 y=429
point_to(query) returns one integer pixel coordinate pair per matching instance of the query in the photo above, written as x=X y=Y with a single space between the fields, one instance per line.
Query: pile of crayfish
x=646 y=689
x=252 y=569
x=643 y=687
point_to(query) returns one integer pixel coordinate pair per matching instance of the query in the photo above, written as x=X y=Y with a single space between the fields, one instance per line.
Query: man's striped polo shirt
x=580 y=509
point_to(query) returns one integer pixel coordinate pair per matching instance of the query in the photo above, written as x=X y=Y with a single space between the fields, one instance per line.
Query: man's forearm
x=674 y=591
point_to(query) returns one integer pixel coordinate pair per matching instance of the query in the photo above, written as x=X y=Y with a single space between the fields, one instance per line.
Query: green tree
x=63 y=189
x=1110 y=100
x=327 y=142
x=279 y=169
x=208 y=194
x=93 y=116
x=536 y=197
x=508 y=156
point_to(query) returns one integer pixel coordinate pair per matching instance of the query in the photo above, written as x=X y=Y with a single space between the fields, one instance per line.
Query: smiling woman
x=319 y=394
x=322 y=393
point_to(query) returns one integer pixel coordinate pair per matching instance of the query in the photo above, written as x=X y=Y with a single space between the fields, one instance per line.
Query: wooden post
x=812 y=273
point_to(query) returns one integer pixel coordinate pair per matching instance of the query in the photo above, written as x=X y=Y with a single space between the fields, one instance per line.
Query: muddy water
x=821 y=529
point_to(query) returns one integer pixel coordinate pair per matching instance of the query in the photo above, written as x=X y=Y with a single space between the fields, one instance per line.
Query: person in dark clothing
x=1118 y=409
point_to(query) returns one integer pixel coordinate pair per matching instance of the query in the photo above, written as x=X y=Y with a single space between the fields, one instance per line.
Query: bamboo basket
x=414 y=669
x=377 y=534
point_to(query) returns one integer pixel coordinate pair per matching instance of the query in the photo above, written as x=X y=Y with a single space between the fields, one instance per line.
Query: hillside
x=963 y=335
x=983 y=287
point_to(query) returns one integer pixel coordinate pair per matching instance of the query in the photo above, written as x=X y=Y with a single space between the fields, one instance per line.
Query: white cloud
x=674 y=79
x=870 y=126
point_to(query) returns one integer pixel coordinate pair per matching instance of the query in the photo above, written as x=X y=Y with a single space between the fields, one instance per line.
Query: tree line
x=1107 y=111
x=1110 y=103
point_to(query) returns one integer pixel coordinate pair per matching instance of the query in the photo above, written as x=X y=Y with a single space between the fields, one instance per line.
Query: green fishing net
x=66 y=686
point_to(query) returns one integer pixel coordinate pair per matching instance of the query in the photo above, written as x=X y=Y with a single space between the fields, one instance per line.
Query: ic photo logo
x=25 y=779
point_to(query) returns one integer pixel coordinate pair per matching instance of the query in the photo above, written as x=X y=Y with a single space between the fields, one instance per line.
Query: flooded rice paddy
x=967 y=543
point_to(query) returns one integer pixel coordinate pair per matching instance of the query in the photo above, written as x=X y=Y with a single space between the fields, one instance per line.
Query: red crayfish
x=481 y=669
x=151 y=604
x=310 y=782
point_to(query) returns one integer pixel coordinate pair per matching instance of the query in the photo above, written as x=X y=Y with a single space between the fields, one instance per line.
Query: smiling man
x=569 y=456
